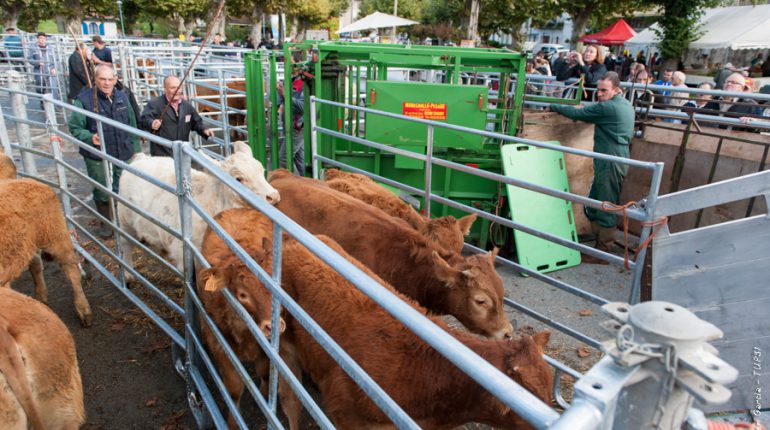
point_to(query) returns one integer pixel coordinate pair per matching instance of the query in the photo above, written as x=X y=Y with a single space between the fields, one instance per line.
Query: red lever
x=373 y=95
x=481 y=101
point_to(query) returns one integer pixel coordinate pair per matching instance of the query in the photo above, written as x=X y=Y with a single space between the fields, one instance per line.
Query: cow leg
x=231 y=379
x=36 y=270
x=290 y=404
x=64 y=254
x=128 y=257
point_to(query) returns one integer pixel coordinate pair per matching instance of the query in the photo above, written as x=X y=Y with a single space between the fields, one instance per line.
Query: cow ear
x=541 y=339
x=465 y=223
x=468 y=273
x=493 y=254
x=241 y=146
x=444 y=272
x=214 y=279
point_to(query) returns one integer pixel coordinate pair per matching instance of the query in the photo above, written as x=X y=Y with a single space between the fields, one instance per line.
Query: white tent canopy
x=737 y=27
x=376 y=20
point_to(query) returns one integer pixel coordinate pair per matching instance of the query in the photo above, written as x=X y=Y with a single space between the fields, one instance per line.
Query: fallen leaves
x=583 y=352
x=585 y=313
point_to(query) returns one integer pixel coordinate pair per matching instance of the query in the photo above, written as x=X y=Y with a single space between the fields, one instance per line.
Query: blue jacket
x=118 y=143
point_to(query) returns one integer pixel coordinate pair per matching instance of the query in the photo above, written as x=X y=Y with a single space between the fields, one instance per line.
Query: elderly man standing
x=113 y=104
x=180 y=117
x=613 y=117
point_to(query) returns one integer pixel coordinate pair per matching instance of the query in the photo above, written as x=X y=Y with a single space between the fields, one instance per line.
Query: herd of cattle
x=416 y=259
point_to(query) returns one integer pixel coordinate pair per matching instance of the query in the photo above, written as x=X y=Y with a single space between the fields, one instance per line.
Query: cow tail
x=12 y=366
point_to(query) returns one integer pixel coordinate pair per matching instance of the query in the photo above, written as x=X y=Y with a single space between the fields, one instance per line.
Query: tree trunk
x=65 y=24
x=219 y=25
x=181 y=28
x=579 y=23
x=473 y=21
x=11 y=17
x=256 y=25
x=294 y=28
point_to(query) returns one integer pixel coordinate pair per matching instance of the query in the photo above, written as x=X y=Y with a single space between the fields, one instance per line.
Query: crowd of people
x=591 y=65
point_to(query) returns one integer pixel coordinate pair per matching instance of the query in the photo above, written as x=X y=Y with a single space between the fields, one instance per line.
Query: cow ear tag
x=214 y=283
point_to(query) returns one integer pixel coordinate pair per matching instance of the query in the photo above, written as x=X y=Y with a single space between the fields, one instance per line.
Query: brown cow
x=40 y=386
x=228 y=271
x=446 y=232
x=426 y=385
x=442 y=281
x=234 y=101
x=31 y=220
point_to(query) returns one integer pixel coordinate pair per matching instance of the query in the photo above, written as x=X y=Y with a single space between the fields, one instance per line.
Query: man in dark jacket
x=734 y=107
x=118 y=143
x=613 y=117
x=179 y=120
x=80 y=71
x=297 y=100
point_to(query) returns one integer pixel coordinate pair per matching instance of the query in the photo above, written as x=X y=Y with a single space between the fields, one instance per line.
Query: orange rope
x=659 y=223
x=716 y=425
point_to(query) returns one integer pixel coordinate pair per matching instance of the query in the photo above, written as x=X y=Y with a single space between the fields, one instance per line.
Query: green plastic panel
x=539 y=211
x=463 y=105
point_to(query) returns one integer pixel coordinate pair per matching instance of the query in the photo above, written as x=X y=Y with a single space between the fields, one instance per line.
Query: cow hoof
x=87 y=319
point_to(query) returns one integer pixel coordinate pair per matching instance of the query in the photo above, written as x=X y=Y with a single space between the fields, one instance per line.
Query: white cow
x=211 y=193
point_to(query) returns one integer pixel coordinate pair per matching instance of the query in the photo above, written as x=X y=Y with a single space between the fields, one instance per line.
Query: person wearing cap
x=43 y=66
x=101 y=53
x=297 y=100
x=13 y=49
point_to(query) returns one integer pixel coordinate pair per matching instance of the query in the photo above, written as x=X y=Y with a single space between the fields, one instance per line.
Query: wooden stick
x=203 y=44
x=80 y=53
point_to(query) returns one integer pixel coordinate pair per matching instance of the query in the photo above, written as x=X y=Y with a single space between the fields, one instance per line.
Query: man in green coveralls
x=613 y=117
x=113 y=104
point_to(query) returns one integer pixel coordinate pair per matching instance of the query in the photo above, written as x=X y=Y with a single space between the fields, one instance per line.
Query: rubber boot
x=605 y=239
x=103 y=230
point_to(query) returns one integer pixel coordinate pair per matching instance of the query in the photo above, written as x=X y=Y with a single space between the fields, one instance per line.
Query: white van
x=549 y=48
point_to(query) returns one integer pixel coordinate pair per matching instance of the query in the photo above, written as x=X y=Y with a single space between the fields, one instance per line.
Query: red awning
x=615 y=34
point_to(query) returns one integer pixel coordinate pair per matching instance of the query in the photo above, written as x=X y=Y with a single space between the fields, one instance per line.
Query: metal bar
x=632 y=212
x=16 y=82
x=708 y=195
x=288 y=119
x=509 y=139
x=762 y=164
x=510 y=393
x=316 y=164
x=275 y=319
x=428 y=171
x=652 y=200
x=163 y=325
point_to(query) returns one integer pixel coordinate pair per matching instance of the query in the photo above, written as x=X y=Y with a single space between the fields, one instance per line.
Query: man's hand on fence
x=95 y=139
x=155 y=124
x=208 y=132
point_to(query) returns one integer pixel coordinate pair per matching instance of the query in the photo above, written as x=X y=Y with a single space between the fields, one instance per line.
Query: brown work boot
x=103 y=230
x=605 y=239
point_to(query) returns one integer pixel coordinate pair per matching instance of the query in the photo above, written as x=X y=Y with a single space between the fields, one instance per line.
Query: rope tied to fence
x=656 y=225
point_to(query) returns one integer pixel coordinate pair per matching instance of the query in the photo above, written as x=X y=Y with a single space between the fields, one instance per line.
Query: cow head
x=475 y=293
x=246 y=288
x=527 y=366
x=247 y=170
x=449 y=232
